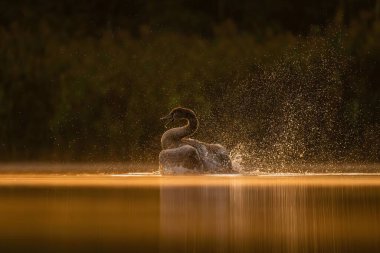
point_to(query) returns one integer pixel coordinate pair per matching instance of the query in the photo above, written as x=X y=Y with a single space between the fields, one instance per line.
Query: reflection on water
x=189 y=214
x=278 y=216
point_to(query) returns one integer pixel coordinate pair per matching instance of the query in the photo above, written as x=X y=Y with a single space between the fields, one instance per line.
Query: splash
x=288 y=112
x=242 y=160
x=237 y=155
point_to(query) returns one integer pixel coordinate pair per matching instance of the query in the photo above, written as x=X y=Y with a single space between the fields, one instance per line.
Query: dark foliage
x=291 y=80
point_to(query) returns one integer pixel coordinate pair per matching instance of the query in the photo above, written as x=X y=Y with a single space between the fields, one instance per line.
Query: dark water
x=150 y=213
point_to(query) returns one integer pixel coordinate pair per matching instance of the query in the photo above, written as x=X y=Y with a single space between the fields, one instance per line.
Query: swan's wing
x=192 y=142
x=211 y=148
x=185 y=156
x=213 y=156
x=201 y=147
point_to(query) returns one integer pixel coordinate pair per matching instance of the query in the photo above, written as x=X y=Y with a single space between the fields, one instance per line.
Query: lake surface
x=46 y=210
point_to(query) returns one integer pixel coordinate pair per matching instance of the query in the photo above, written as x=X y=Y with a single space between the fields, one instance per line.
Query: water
x=52 y=211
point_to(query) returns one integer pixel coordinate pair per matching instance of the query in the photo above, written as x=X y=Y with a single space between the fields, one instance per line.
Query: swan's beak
x=168 y=118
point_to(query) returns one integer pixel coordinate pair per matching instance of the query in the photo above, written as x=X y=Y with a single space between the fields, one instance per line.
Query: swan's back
x=215 y=157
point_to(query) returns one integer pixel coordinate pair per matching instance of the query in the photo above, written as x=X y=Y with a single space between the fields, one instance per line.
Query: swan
x=181 y=154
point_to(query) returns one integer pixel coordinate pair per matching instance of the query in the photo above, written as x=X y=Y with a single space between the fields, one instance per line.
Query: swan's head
x=178 y=113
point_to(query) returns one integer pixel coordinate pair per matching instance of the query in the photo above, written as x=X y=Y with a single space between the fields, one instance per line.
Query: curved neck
x=172 y=137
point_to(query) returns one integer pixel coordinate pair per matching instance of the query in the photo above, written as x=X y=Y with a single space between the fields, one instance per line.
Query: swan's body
x=183 y=155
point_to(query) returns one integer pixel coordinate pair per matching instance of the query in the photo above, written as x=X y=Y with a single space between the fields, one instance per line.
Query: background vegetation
x=283 y=80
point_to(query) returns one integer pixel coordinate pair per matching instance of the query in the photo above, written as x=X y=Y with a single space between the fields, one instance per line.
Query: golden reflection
x=151 y=213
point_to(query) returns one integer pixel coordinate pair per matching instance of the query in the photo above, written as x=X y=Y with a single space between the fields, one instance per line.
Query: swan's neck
x=172 y=137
